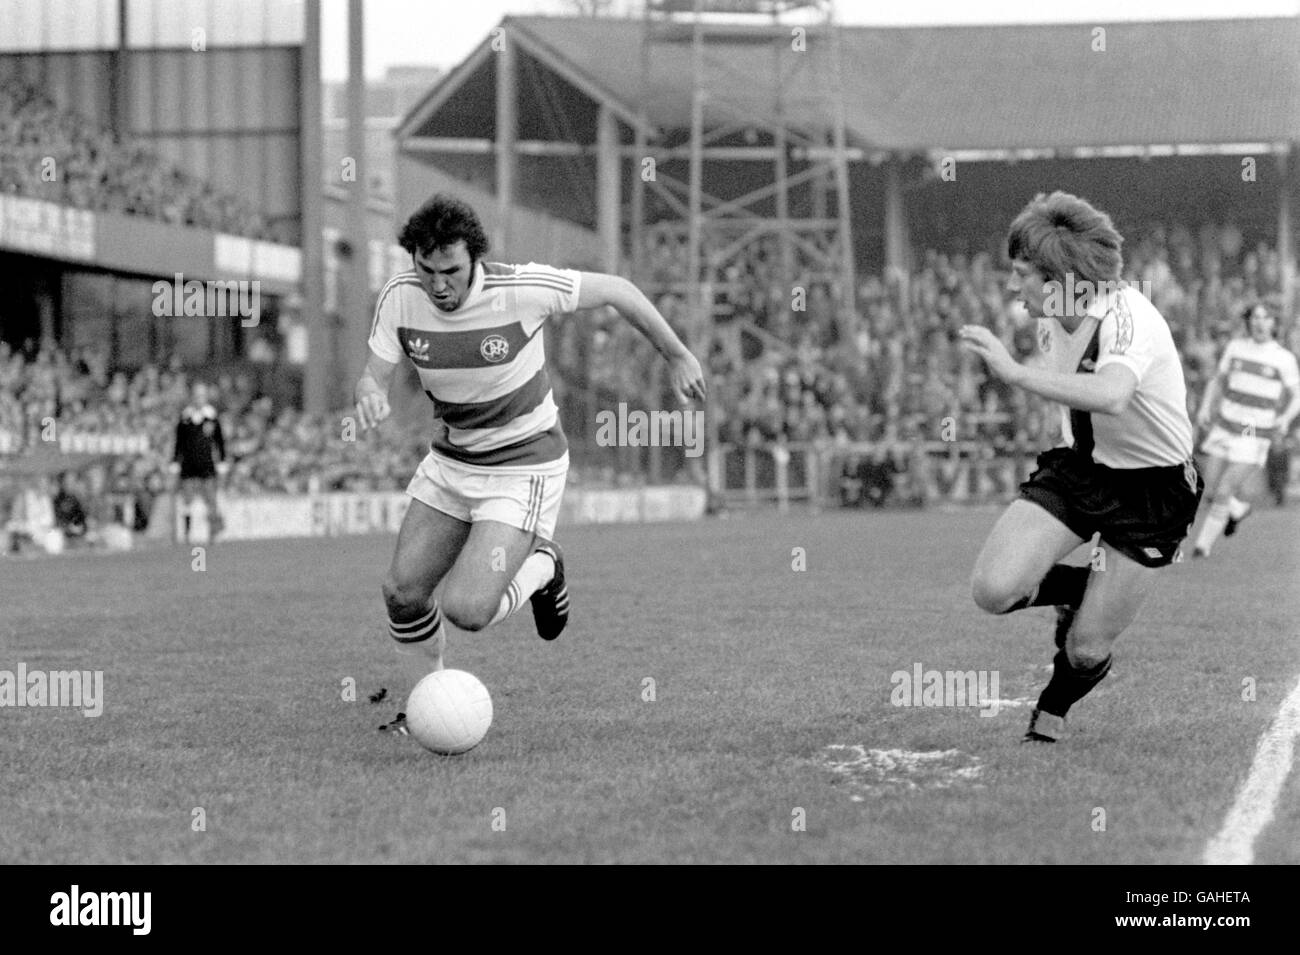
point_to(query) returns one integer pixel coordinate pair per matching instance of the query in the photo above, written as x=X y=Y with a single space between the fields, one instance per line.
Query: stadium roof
x=911 y=89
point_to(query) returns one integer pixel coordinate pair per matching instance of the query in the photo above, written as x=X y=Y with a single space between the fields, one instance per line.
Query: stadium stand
x=900 y=367
x=100 y=170
x=275 y=450
x=896 y=377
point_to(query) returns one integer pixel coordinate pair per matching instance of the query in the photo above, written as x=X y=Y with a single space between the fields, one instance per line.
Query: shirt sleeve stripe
x=393 y=283
x=545 y=282
x=529 y=277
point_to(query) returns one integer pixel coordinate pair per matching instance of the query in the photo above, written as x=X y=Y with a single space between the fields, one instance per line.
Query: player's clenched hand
x=687 y=378
x=978 y=340
x=372 y=408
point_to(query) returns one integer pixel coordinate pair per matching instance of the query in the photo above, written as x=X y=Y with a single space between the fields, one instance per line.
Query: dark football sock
x=1062 y=586
x=1069 y=685
x=1020 y=604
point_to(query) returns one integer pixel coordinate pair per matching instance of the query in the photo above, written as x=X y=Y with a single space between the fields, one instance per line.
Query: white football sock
x=1213 y=526
x=421 y=659
x=535 y=574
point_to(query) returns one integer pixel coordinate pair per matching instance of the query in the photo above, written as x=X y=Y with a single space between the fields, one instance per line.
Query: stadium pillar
x=784 y=238
x=44 y=291
x=694 y=235
x=636 y=227
x=355 y=302
x=118 y=109
x=781 y=166
x=1285 y=245
x=312 y=274
x=608 y=198
x=896 y=252
x=848 y=271
x=702 y=299
x=506 y=133
x=820 y=185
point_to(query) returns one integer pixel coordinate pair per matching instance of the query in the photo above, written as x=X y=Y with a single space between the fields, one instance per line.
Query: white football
x=449 y=711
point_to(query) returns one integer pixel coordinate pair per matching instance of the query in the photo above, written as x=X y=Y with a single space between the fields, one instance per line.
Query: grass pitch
x=708 y=703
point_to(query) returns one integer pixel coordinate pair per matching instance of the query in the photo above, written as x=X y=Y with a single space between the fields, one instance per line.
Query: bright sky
x=442 y=32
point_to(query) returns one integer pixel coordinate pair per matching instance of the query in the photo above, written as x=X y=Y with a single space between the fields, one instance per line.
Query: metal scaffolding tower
x=766 y=90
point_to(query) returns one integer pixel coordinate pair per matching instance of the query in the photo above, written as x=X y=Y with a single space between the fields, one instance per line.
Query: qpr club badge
x=494 y=349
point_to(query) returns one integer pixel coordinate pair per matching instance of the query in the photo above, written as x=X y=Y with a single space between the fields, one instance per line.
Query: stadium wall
x=342 y=514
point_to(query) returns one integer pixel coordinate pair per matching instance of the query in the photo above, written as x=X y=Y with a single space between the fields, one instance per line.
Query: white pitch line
x=1253 y=809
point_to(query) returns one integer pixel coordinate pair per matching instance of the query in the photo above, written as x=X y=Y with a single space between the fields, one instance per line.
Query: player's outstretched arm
x=372 y=391
x=598 y=289
x=1108 y=391
x=1209 y=400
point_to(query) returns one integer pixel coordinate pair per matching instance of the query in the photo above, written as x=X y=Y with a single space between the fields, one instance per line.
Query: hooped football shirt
x=483 y=365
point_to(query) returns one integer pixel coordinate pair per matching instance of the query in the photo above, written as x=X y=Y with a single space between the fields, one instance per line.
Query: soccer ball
x=449 y=711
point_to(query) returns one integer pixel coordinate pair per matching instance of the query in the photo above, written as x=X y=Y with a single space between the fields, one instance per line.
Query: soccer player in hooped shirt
x=1127 y=473
x=1251 y=401
x=484 y=501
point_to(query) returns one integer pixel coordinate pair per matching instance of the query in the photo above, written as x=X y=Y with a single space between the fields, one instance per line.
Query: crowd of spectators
x=892 y=370
x=96 y=169
x=889 y=374
x=786 y=362
x=52 y=393
x=284 y=450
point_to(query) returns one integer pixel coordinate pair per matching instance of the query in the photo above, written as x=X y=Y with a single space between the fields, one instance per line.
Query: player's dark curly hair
x=1061 y=233
x=441 y=222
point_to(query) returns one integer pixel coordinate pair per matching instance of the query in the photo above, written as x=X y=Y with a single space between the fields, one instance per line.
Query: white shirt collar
x=475 y=285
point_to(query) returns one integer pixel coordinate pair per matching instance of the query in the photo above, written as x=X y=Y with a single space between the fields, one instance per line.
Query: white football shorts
x=526 y=498
x=1236 y=448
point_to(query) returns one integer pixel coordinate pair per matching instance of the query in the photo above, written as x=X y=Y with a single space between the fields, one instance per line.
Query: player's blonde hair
x=1061 y=234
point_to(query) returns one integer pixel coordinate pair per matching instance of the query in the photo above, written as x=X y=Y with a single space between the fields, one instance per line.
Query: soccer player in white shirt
x=1128 y=473
x=485 y=500
x=1250 y=402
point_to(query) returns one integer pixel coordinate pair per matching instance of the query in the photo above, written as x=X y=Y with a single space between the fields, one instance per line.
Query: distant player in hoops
x=1128 y=473
x=485 y=500
x=1250 y=403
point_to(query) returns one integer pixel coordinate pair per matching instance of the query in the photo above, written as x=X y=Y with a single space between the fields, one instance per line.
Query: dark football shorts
x=205 y=484
x=1144 y=513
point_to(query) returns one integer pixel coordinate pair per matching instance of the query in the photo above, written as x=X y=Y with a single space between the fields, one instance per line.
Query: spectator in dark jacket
x=200 y=447
x=69 y=513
